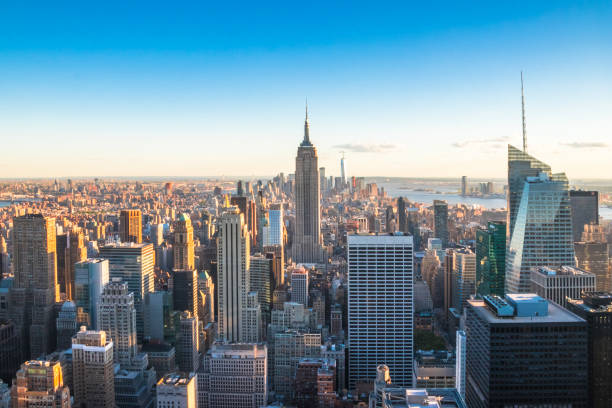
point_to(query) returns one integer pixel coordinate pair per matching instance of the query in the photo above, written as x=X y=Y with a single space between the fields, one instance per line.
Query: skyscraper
x=460 y=363
x=187 y=356
x=177 y=391
x=253 y=319
x=133 y=264
x=559 y=283
x=183 y=247
x=92 y=370
x=232 y=274
x=594 y=257
x=299 y=286
x=596 y=309
x=585 y=211
x=380 y=306
x=117 y=317
x=75 y=252
x=542 y=233
x=90 y=277
x=441 y=221
x=491 y=259
x=261 y=281
x=185 y=291
x=342 y=172
x=524 y=351
x=464 y=273
x=276 y=225
x=130 y=226
x=401 y=215
x=464 y=186
x=35 y=289
x=40 y=384
x=66 y=325
x=307 y=239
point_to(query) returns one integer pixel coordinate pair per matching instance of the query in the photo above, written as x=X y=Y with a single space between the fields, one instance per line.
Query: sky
x=404 y=89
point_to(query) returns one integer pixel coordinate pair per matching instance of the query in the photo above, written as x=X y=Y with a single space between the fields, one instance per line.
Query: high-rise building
x=491 y=259
x=206 y=298
x=10 y=350
x=276 y=254
x=401 y=215
x=307 y=239
x=520 y=166
x=464 y=274
x=177 y=391
x=35 y=288
x=542 y=233
x=594 y=257
x=464 y=186
x=299 y=286
x=460 y=363
x=234 y=375
x=561 y=282
x=90 y=277
x=342 y=173
x=585 y=211
x=596 y=309
x=261 y=281
x=92 y=369
x=449 y=267
x=310 y=389
x=130 y=226
x=185 y=290
x=134 y=264
x=66 y=325
x=157 y=234
x=290 y=346
x=253 y=319
x=441 y=221
x=233 y=279
x=40 y=384
x=184 y=254
x=276 y=225
x=187 y=356
x=524 y=351
x=162 y=357
x=380 y=267
x=75 y=252
x=160 y=316
x=336 y=352
x=117 y=317
x=434 y=369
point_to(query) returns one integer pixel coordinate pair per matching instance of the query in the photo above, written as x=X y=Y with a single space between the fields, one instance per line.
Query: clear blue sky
x=405 y=89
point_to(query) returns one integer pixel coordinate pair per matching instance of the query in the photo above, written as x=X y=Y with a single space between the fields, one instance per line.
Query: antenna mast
x=523 y=110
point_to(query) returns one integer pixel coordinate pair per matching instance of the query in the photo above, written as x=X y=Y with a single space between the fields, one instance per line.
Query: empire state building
x=307 y=240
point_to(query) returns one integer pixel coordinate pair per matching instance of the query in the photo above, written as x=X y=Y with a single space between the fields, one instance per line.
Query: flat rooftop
x=175 y=379
x=561 y=271
x=238 y=351
x=556 y=314
x=379 y=239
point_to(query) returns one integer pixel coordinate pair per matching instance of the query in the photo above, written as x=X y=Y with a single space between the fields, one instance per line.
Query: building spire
x=523 y=110
x=306 y=141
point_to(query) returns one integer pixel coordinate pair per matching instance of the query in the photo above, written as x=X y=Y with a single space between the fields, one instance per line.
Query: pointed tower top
x=306 y=141
x=523 y=111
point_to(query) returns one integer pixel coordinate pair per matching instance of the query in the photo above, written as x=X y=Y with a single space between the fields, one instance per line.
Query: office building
x=524 y=351
x=40 y=384
x=542 y=234
x=35 y=290
x=464 y=273
x=233 y=264
x=464 y=186
x=585 y=211
x=92 y=369
x=460 y=362
x=133 y=389
x=134 y=264
x=66 y=325
x=75 y=252
x=276 y=254
x=491 y=259
x=159 y=316
x=177 y=391
x=261 y=281
x=117 y=317
x=401 y=215
x=441 y=221
x=234 y=376
x=299 y=286
x=399 y=397
x=185 y=290
x=10 y=350
x=381 y=331
x=315 y=382
x=253 y=319
x=187 y=356
x=276 y=225
x=206 y=298
x=183 y=247
x=594 y=257
x=130 y=226
x=307 y=238
x=449 y=267
x=596 y=309
x=560 y=283
x=290 y=346
x=161 y=356
x=336 y=352
x=434 y=369
x=90 y=277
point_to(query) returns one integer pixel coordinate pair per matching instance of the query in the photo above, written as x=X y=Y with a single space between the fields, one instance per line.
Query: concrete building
x=337 y=352
x=177 y=391
x=39 y=384
x=398 y=397
x=315 y=383
x=185 y=291
x=233 y=280
x=10 y=350
x=262 y=281
x=434 y=369
x=299 y=286
x=162 y=357
x=66 y=325
x=460 y=363
x=234 y=376
x=159 y=316
x=206 y=298
x=75 y=252
x=559 y=283
x=187 y=356
x=35 y=290
x=596 y=309
x=117 y=317
x=289 y=347
x=183 y=247
x=253 y=319
x=380 y=331
x=130 y=226
x=464 y=274
x=92 y=370
x=307 y=239
x=524 y=350
x=134 y=264
x=90 y=277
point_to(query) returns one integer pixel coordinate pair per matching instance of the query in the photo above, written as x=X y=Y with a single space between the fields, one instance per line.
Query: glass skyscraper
x=491 y=259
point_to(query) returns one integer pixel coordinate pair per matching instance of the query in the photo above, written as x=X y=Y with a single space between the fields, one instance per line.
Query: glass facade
x=491 y=259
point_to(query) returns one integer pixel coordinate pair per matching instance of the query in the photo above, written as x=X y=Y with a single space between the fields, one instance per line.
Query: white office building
x=299 y=286
x=380 y=306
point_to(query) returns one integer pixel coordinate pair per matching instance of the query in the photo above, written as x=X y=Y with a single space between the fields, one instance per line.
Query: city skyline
x=213 y=90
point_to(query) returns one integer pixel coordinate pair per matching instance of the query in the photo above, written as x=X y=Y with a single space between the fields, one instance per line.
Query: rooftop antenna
x=523 y=110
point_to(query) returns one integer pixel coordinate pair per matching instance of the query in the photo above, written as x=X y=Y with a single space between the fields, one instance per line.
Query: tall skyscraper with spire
x=307 y=240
